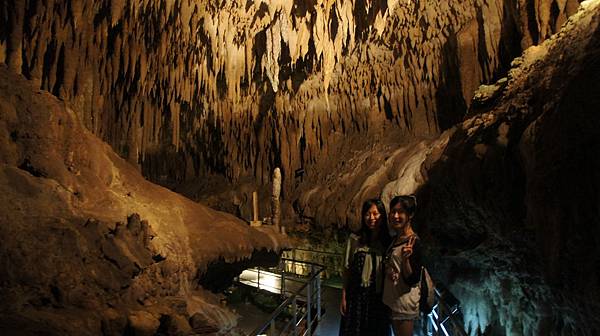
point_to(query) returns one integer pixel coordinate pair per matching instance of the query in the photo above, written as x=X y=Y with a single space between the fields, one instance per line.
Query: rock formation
x=351 y=99
x=242 y=87
x=508 y=199
x=88 y=245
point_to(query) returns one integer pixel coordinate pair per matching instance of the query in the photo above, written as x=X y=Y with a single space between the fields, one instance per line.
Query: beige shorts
x=398 y=316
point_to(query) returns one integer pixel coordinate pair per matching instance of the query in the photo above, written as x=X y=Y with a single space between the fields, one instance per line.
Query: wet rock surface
x=88 y=245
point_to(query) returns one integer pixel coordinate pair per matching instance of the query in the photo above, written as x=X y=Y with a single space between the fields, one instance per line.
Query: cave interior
x=137 y=137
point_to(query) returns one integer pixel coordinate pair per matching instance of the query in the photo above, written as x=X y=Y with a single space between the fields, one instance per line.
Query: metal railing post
x=309 y=294
x=437 y=320
x=308 y=305
x=282 y=286
x=294 y=317
x=318 y=280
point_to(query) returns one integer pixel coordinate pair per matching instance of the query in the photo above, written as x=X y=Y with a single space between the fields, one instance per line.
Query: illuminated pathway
x=445 y=318
x=271 y=282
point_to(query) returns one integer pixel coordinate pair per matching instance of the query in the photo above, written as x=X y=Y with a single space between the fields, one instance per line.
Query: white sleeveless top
x=402 y=299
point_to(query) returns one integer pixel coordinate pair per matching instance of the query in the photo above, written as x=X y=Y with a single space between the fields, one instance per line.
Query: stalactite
x=164 y=62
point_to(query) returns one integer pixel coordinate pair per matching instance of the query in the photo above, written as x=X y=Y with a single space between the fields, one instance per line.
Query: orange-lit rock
x=243 y=87
x=82 y=231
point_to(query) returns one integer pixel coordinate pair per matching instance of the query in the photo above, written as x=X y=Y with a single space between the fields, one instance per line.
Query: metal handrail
x=292 y=300
x=317 y=251
x=445 y=318
x=442 y=312
x=331 y=268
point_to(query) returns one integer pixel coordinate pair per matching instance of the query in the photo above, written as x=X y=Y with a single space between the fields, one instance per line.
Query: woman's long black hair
x=365 y=232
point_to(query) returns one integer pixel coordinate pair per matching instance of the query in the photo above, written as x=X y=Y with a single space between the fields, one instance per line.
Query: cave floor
x=330 y=324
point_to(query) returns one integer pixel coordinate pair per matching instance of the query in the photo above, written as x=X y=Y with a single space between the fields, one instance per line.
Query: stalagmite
x=255 y=221
x=275 y=201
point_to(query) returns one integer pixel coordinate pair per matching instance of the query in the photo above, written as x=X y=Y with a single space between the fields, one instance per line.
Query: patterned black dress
x=365 y=312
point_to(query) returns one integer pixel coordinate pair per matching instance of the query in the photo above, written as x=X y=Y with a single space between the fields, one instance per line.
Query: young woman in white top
x=402 y=267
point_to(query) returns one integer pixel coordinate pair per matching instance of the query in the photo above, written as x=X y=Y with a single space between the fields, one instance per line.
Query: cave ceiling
x=240 y=87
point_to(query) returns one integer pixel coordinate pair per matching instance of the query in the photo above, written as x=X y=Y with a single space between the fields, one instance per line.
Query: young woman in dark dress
x=363 y=312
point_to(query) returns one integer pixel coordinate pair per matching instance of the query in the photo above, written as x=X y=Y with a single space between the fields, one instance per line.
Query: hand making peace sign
x=407 y=249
